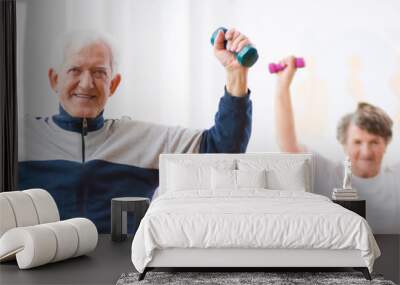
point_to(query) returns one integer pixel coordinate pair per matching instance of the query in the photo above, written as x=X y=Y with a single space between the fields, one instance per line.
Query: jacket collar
x=75 y=124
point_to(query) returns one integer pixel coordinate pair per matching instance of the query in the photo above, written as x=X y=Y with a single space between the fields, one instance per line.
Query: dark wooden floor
x=110 y=260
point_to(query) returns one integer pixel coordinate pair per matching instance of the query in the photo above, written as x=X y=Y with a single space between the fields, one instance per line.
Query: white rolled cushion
x=67 y=239
x=87 y=235
x=23 y=208
x=45 y=205
x=7 y=218
x=40 y=244
x=251 y=178
x=223 y=179
x=33 y=246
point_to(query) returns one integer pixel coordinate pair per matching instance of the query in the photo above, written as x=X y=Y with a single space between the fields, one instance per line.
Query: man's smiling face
x=84 y=81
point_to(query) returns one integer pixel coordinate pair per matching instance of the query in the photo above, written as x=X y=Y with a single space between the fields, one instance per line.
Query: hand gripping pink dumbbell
x=274 y=67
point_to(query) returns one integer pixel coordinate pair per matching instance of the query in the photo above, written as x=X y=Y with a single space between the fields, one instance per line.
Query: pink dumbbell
x=274 y=68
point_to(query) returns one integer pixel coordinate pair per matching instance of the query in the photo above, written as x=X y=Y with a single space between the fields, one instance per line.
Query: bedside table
x=357 y=206
x=119 y=210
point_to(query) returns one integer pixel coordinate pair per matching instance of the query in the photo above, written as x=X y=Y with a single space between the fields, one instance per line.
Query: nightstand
x=119 y=210
x=357 y=206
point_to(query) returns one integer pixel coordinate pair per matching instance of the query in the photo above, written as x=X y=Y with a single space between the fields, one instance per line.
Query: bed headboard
x=271 y=159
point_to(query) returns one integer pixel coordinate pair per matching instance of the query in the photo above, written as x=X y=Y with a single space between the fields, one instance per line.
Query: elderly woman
x=364 y=135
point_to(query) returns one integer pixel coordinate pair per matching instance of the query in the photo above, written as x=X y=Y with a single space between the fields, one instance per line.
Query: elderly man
x=364 y=135
x=84 y=160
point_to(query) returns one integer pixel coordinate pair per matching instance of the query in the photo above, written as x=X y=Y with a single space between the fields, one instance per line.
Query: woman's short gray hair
x=368 y=118
x=77 y=39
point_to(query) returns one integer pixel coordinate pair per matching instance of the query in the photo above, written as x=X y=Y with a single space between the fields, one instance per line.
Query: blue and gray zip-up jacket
x=85 y=163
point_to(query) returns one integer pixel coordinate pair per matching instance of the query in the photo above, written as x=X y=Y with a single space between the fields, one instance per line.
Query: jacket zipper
x=83 y=134
x=82 y=196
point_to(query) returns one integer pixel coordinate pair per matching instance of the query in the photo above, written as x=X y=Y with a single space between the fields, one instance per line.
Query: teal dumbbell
x=246 y=57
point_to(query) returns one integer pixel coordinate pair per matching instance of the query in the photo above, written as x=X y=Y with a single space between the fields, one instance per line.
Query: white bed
x=247 y=210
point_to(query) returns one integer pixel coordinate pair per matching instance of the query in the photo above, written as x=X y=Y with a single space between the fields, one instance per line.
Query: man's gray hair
x=368 y=118
x=77 y=39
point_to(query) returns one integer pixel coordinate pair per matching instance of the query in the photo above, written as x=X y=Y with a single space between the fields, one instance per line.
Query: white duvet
x=250 y=219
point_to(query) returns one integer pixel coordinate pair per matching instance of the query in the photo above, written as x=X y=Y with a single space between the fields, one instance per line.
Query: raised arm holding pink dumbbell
x=276 y=67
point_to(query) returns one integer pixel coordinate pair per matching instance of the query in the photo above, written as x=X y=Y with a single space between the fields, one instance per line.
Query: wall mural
x=170 y=77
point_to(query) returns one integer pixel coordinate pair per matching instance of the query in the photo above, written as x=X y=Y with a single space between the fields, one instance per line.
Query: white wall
x=170 y=75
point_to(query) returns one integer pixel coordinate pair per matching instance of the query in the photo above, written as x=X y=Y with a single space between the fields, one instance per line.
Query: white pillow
x=283 y=174
x=223 y=179
x=251 y=178
x=193 y=175
x=187 y=177
x=226 y=179
x=292 y=179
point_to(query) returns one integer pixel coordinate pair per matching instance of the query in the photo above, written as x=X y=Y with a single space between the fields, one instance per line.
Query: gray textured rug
x=270 y=278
